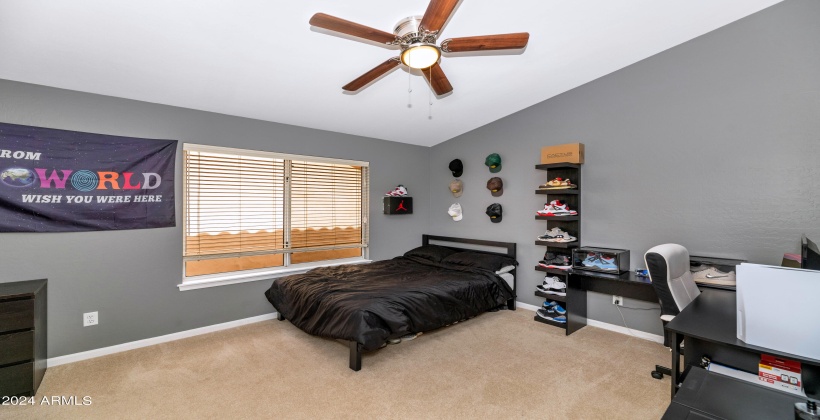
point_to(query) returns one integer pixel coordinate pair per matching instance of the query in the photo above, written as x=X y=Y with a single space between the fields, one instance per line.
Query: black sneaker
x=555 y=261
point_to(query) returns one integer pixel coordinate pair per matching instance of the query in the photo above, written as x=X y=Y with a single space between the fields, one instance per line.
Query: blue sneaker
x=561 y=319
x=559 y=309
x=591 y=260
x=548 y=304
x=607 y=263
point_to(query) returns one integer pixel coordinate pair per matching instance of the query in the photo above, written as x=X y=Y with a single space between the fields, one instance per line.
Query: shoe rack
x=569 y=224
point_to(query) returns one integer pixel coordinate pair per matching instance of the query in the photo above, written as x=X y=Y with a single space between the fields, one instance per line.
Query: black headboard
x=509 y=246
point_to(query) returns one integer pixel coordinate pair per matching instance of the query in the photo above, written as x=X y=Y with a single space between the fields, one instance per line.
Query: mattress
x=509 y=278
x=372 y=303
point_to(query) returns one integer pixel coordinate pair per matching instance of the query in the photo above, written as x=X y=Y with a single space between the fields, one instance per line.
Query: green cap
x=494 y=162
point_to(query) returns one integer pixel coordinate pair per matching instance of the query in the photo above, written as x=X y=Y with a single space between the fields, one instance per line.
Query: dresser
x=23 y=332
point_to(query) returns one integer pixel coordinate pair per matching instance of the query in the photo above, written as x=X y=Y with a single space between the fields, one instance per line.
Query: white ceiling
x=260 y=58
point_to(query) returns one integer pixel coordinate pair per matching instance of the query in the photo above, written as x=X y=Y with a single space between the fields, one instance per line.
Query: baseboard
x=526 y=306
x=606 y=326
x=90 y=354
x=627 y=331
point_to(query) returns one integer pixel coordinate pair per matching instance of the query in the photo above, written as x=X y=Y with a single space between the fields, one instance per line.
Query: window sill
x=256 y=275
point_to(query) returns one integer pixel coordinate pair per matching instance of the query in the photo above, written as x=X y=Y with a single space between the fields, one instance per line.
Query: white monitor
x=779 y=308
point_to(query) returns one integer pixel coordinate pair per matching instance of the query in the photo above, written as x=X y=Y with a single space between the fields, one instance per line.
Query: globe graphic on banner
x=17 y=177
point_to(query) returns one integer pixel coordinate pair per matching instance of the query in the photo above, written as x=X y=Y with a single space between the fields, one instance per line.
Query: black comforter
x=386 y=299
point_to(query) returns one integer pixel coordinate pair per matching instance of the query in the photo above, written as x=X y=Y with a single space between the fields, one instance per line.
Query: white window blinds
x=247 y=209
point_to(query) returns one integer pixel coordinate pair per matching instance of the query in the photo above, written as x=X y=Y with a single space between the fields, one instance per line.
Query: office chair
x=668 y=267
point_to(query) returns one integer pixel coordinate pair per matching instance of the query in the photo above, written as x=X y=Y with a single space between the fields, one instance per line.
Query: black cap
x=457 y=167
x=494 y=211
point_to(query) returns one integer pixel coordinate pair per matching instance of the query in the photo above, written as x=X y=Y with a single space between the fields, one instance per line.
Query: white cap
x=455 y=212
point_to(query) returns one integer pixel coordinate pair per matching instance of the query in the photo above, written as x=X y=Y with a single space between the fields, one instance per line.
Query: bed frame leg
x=355 y=355
x=279 y=316
x=511 y=304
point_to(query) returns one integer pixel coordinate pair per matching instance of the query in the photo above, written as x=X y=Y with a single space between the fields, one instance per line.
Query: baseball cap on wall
x=455 y=212
x=494 y=211
x=496 y=186
x=456 y=187
x=493 y=161
x=456 y=167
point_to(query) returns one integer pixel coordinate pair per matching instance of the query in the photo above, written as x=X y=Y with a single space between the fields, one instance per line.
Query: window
x=249 y=210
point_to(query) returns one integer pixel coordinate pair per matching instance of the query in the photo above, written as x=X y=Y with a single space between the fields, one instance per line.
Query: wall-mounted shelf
x=563 y=245
x=558 y=192
x=548 y=166
x=570 y=224
x=556 y=271
x=556 y=298
x=559 y=218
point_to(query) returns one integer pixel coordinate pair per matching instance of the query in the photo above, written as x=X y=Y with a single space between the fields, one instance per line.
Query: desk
x=627 y=285
x=709 y=395
x=708 y=327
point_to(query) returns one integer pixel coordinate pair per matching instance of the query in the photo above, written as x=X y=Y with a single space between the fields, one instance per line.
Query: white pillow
x=505 y=269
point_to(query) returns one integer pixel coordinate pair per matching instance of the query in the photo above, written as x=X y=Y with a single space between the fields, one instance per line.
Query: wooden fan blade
x=438 y=11
x=335 y=24
x=372 y=75
x=486 y=42
x=438 y=80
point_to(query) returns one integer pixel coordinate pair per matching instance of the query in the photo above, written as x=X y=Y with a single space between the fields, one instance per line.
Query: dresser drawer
x=16 y=315
x=17 y=379
x=16 y=347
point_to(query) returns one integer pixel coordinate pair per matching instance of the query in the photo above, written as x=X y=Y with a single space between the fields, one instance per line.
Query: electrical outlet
x=90 y=318
x=618 y=300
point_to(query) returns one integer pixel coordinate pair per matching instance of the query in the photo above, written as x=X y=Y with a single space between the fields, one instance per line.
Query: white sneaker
x=556 y=235
x=399 y=191
x=553 y=286
x=714 y=276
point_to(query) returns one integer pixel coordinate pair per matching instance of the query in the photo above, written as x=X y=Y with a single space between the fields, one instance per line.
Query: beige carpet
x=499 y=364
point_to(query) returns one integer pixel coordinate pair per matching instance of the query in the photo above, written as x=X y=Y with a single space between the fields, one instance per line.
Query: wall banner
x=68 y=181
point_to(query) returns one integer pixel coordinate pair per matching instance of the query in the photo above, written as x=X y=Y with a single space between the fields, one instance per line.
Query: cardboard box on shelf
x=563 y=153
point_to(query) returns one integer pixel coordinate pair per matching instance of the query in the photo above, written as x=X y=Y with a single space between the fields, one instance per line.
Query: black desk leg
x=676 y=340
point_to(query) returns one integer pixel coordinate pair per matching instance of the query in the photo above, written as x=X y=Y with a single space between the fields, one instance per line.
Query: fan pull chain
x=430 y=95
x=409 y=89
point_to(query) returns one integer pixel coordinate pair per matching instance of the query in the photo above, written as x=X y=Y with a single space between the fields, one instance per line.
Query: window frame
x=242 y=276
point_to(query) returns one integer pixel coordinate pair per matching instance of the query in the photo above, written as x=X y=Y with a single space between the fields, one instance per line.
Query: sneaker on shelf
x=553 y=286
x=551 y=260
x=563 y=207
x=556 y=208
x=607 y=263
x=591 y=260
x=543 y=313
x=557 y=184
x=399 y=191
x=556 y=235
x=715 y=276
x=556 y=310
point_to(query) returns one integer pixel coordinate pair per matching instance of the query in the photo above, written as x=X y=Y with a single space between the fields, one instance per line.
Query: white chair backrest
x=668 y=266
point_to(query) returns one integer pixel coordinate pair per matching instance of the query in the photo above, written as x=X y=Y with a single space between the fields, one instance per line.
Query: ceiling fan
x=417 y=37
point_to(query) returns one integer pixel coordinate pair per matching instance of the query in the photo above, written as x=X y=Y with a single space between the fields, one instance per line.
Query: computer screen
x=810 y=255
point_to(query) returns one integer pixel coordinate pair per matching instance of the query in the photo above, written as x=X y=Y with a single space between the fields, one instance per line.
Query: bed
x=366 y=305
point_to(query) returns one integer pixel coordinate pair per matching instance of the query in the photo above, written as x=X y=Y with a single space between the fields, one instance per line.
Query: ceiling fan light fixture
x=420 y=56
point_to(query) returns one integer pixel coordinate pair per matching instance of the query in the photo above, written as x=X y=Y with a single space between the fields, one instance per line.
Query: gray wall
x=131 y=277
x=713 y=144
